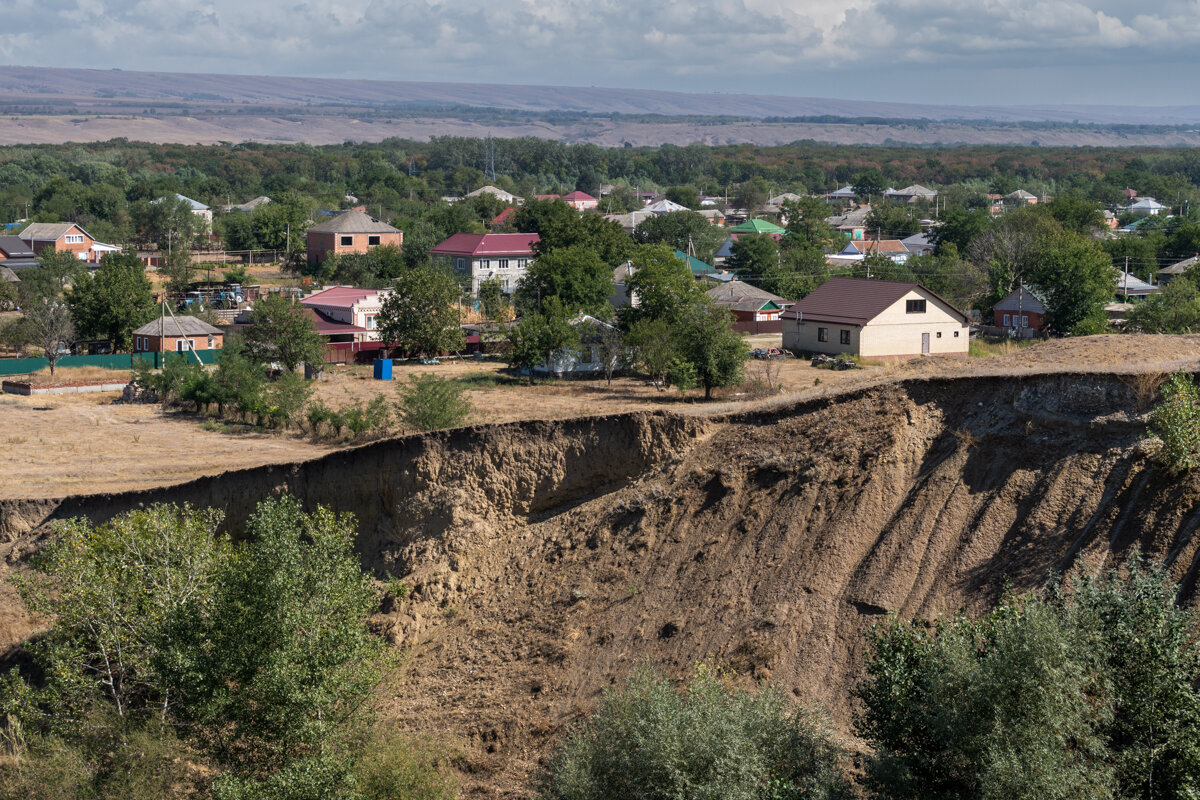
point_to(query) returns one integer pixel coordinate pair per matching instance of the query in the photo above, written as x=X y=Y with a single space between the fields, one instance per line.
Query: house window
x=1007 y=320
x=370 y=322
x=212 y=342
x=1024 y=321
x=504 y=263
x=822 y=334
x=73 y=238
x=460 y=264
x=844 y=337
x=372 y=241
x=956 y=334
x=914 y=306
x=183 y=345
x=347 y=241
x=939 y=334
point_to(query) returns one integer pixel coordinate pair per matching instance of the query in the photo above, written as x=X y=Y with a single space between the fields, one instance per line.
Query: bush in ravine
x=1175 y=420
x=650 y=740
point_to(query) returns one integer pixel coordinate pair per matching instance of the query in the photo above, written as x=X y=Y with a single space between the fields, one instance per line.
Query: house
x=489 y=255
x=1021 y=197
x=249 y=205
x=1132 y=286
x=694 y=265
x=630 y=221
x=1145 y=205
x=881 y=320
x=852 y=224
x=347 y=313
x=715 y=216
x=503 y=218
x=889 y=248
x=508 y=198
x=911 y=194
x=177 y=335
x=581 y=201
x=754 y=310
x=199 y=209
x=1022 y=313
x=787 y=197
x=588 y=358
x=16 y=254
x=665 y=206
x=846 y=194
x=352 y=232
x=68 y=237
x=918 y=244
x=1165 y=275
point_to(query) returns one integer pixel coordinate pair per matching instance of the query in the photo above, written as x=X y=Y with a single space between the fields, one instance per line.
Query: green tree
x=61 y=265
x=892 y=220
x=753 y=195
x=649 y=740
x=684 y=196
x=491 y=297
x=179 y=270
x=653 y=347
x=283 y=333
x=1075 y=213
x=420 y=316
x=685 y=231
x=534 y=340
x=869 y=184
x=1076 y=278
x=375 y=269
x=806 y=224
x=1175 y=309
x=431 y=403
x=706 y=340
x=576 y=275
x=113 y=301
x=752 y=256
x=1175 y=420
x=277 y=673
x=959 y=227
x=662 y=285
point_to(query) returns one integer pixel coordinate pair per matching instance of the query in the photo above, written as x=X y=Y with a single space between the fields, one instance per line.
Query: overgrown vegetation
x=1175 y=421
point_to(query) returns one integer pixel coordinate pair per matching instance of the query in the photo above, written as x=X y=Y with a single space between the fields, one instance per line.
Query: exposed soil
x=547 y=558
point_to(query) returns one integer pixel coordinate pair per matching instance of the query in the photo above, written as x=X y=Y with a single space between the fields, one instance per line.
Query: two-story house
x=352 y=232
x=65 y=237
x=481 y=256
x=348 y=309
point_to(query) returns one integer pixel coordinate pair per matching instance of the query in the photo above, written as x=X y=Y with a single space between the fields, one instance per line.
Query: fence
x=352 y=352
x=758 y=326
x=120 y=361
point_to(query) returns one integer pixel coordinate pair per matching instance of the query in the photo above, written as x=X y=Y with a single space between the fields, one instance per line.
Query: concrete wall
x=803 y=337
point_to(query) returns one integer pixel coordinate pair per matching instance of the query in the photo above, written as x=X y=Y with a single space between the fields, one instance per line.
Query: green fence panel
x=120 y=361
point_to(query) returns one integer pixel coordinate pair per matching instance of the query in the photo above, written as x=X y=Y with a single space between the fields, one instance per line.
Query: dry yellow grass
x=74 y=375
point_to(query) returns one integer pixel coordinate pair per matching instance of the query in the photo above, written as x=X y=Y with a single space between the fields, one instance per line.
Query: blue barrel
x=383 y=369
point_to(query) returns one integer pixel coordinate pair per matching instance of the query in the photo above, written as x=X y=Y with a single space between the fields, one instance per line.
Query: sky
x=972 y=52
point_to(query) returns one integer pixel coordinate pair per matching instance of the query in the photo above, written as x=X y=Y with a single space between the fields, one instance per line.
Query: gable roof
x=1021 y=194
x=1146 y=204
x=495 y=191
x=851 y=219
x=49 y=231
x=577 y=196
x=697 y=266
x=665 y=206
x=882 y=247
x=339 y=297
x=918 y=241
x=1178 y=268
x=488 y=244
x=1024 y=300
x=757 y=226
x=328 y=326
x=13 y=247
x=916 y=190
x=8 y=275
x=735 y=292
x=353 y=222
x=178 y=326
x=856 y=301
x=1131 y=284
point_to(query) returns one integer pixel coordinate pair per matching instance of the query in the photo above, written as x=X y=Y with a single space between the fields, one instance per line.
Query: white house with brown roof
x=879 y=320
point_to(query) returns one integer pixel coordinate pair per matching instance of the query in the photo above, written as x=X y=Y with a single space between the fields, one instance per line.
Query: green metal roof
x=697 y=266
x=757 y=226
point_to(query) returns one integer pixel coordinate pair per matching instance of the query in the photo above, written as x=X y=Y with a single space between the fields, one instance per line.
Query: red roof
x=339 y=297
x=487 y=244
x=327 y=325
x=577 y=195
x=504 y=216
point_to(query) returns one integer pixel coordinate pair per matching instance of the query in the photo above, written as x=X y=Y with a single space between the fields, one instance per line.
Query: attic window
x=914 y=306
x=73 y=238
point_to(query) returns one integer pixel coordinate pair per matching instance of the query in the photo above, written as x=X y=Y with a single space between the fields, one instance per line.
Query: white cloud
x=697 y=45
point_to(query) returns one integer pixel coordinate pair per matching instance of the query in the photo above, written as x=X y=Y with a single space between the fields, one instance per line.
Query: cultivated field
x=63 y=445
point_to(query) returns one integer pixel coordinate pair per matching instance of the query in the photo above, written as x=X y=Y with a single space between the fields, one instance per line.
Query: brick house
x=1022 y=313
x=580 y=201
x=882 y=320
x=65 y=237
x=177 y=335
x=347 y=310
x=352 y=232
x=481 y=256
x=754 y=310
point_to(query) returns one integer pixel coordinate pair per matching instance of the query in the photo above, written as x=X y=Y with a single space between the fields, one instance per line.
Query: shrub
x=650 y=741
x=395 y=767
x=430 y=403
x=1175 y=420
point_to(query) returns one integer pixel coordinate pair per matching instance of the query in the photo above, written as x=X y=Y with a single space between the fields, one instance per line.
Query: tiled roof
x=577 y=196
x=353 y=222
x=855 y=301
x=488 y=244
x=338 y=297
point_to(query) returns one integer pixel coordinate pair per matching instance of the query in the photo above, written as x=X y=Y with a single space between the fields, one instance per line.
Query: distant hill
x=48 y=104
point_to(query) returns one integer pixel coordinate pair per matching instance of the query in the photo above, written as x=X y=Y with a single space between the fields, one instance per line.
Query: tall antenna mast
x=489 y=168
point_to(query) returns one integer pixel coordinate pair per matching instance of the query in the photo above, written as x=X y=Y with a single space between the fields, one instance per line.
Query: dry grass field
x=70 y=444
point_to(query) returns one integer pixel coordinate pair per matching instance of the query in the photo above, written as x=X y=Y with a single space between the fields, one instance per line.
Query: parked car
x=765 y=354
